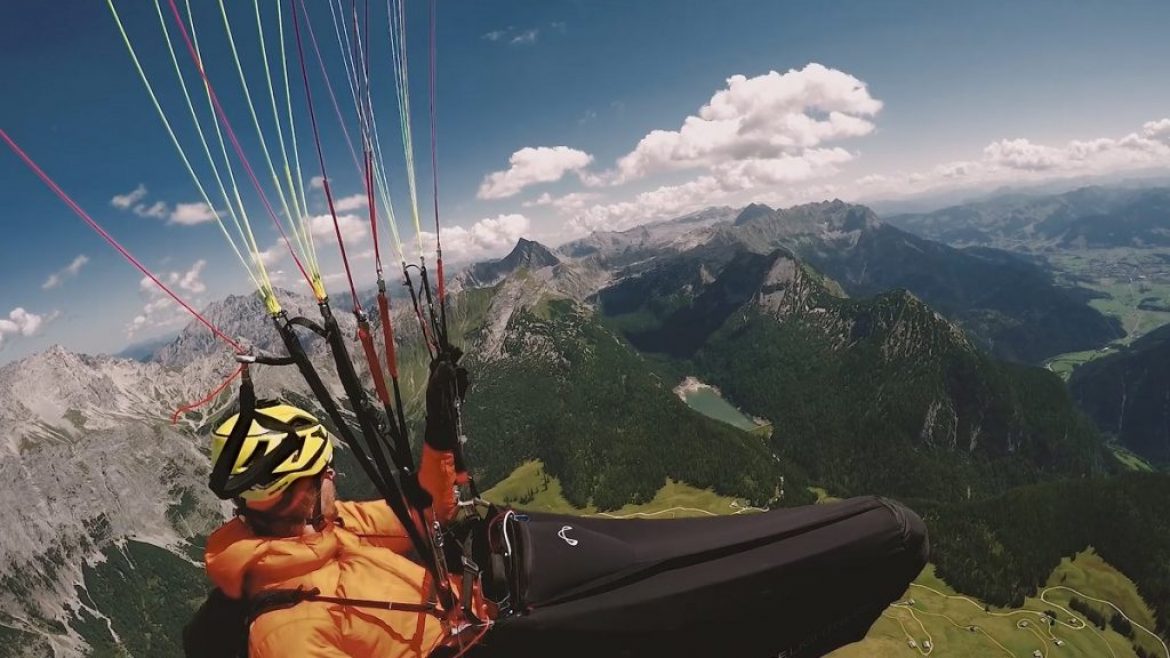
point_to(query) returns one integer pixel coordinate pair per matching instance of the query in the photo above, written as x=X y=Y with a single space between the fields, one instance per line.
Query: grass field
x=1064 y=364
x=1135 y=284
x=960 y=626
x=530 y=488
x=1131 y=279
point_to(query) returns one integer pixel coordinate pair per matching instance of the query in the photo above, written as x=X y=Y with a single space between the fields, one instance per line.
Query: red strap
x=372 y=357
x=388 y=335
x=218 y=389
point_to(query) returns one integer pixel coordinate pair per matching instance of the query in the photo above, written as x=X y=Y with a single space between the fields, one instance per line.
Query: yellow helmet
x=310 y=460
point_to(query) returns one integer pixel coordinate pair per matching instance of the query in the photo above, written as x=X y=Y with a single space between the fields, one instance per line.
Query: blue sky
x=548 y=113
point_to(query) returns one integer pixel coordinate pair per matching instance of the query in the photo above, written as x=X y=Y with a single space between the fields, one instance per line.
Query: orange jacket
x=358 y=557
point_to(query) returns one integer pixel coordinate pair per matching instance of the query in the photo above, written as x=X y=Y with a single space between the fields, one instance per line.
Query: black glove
x=446 y=387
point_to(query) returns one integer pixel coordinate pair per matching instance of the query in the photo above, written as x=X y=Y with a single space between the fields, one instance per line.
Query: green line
x=267 y=285
x=293 y=129
x=175 y=140
x=255 y=247
x=259 y=131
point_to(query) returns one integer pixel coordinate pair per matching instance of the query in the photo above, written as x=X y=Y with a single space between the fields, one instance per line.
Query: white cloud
x=574 y=201
x=189 y=281
x=531 y=166
x=1159 y=130
x=272 y=255
x=159 y=311
x=317 y=183
x=770 y=116
x=756 y=136
x=665 y=201
x=189 y=214
x=486 y=238
x=725 y=181
x=21 y=323
x=353 y=229
x=525 y=37
x=351 y=203
x=518 y=37
x=126 y=201
x=71 y=270
x=1022 y=160
x=157 y=210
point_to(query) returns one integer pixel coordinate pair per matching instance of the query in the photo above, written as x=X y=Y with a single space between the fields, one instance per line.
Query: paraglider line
x=112 y=241
x=357 y=305
x=236 y=144
x=211 y=396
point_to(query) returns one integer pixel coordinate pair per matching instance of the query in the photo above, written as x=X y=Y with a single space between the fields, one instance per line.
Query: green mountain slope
x=1128 y=394
x=878 y=394
x=568 y=392
x=1003 y=549
x=1010 y=306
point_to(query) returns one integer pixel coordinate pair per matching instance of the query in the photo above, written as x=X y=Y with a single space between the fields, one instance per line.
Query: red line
x=235 y=142
x=329 y=86
x=113 y=242
x=357 y=305
x=211 y=396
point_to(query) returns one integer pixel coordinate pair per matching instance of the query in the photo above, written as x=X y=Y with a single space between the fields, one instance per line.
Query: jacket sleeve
x=377 y=523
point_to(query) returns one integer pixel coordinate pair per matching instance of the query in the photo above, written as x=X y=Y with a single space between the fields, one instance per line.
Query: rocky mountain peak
x=530 y=254
x=753 y=212
x=527 y=255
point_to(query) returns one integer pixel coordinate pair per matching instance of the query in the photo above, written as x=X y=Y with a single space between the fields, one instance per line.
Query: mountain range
x=819 y=318
x=1092 y=217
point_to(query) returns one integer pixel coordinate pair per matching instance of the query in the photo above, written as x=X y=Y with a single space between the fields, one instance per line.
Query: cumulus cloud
x=317 y=183
x=756 y=136
x=156 y=210
x=189 y=214
x=567 y=203
x=518 y=37
x=353 y=229
x=726 y=180
x=272 y=255
x=185 y=214
x=1159 y=130
x=665 y=201
x=351 y=203
x=56 y=279
x=770 y=116
x=21 y=323
x=1021 y=159
x=531 y=166
x=483 y=239
x=159 y=311
x=525 y=37
x=127 y=201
